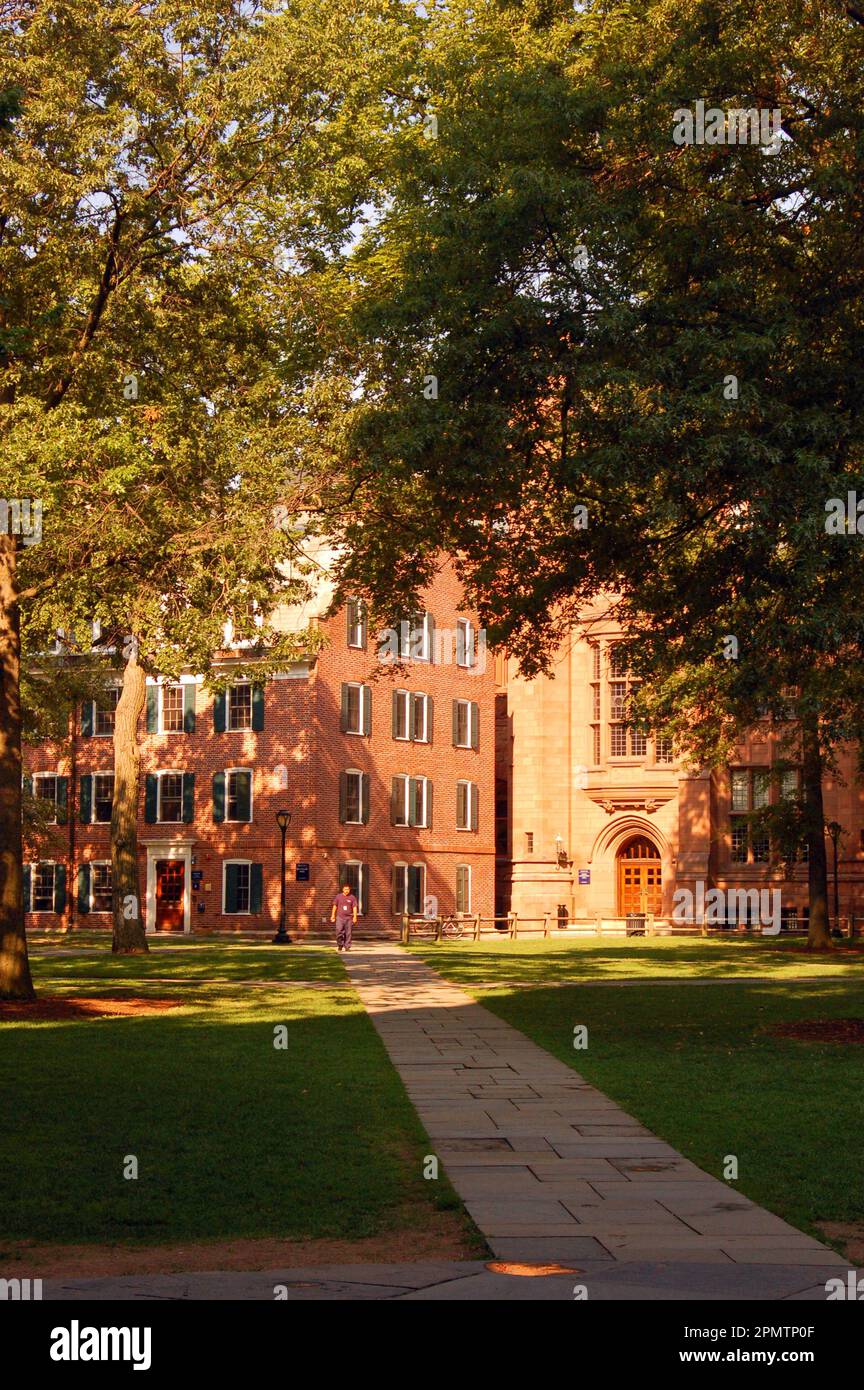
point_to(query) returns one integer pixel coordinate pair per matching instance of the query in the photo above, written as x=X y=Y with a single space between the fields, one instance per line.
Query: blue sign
x=584 y=875
x=302 y=873
x=197 y=879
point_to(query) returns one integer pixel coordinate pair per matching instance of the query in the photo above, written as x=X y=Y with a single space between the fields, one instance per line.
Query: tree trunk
x=819 y=935
x=129 y=935
x=15 y=981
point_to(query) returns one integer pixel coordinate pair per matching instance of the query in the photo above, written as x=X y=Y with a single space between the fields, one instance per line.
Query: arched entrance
x=640 y=877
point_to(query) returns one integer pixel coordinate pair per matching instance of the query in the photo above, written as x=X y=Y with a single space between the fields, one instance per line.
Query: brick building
x=595 y=820
x=384 y=757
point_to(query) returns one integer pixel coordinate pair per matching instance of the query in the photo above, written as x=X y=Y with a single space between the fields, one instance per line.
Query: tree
x=174 y=181
x=560 y=306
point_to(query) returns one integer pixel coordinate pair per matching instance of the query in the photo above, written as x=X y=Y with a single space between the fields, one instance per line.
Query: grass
x=700 y=1067
x=538 y=961
x=233 y=1137
x=229 y=962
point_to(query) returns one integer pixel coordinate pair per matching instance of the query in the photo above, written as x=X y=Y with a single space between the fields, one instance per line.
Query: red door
x=170 y=882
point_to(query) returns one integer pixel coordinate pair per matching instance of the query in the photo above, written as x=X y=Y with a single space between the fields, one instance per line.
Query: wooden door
x=170 y=883
x=640 y=879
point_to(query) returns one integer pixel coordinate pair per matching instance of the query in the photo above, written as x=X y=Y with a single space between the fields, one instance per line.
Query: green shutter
x=59 y=887
x=152 y=709
x=343 y=797
x=394 y=800
x=394 y=714
x=366 y=701
x=231 y=873
x=364 y=798
x=189 y=708
x=188 y=797
x=412 y=800
x=27 y=783
x=474 y=714
x=219 y=797
x=85 y=799
x=62 y=799
x=415 y=883
x=87 y=719
x=25 y=886
x=363 y=903
x=220 y=711
x=257 y=708
x=364 y=625
x=84 y=873
x=474 y=793
x=430 y=629
x=430 y=718
x=256 y=887
x=428 y=805
x=244 y=795
x=343 y=714
x=151 y=796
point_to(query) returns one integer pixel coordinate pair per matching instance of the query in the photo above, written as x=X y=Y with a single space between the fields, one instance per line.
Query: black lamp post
x=835 y=830
x=283 y=820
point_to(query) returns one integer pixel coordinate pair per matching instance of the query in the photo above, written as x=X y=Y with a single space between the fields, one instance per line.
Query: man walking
x=344 y=914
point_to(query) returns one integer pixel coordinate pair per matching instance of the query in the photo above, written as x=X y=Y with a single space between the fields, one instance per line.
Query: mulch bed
x=57 y=1010
x=821 y=1030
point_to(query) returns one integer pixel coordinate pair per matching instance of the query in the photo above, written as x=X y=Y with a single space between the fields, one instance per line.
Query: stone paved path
x=550 y=1168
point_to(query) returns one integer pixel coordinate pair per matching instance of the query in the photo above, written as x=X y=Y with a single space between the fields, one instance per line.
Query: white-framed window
x=354 y=797
x=416 y=637
x=103 y=797
x=237 y=886
x=239 y=706
x=356 y=717
x=43 y=886
x=408 y=882
x=356 y=875
x=169 y=797
x=467 y=805
x=402 y=714
x=356 y=623
x=411 y=801
x=100 y=886
x=238 y=794
x=466 y=724
x=171 y=708
x=463 y=887
x=399 y=887
x=750 y=791
x=104 y=712
x=45 y=787
x=466 y=654
x=664 y=751
x=399 y=799
x=421 y=718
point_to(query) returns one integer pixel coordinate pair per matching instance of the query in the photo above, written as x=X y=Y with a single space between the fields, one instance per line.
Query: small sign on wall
x=301 y=873
x=584 y=875
x=197 y=879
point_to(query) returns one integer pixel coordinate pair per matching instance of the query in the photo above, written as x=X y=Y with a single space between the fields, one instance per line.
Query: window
x=357 y=876
x=103 y=796
x=356 y=716
x=502 y=815
x=624 y=740
x=416 y=637
x=237 y=889
x=354 y=797
x=529 y=841
x=463 y=888
x=420 y=719
x=750 y=791
x=104 y=713
x=399 y=886
x=356 y=617
x=238 y=794
x=411 y=801
x=43 y=887
x=172 y=709
x=409 y=888
x=663 y=751
x=45 y=789
x=240 y=706
x=170 y=796
x=101 y=888
x=465 y=651
x=401 y=713
x=466 y=724
x=467 y=799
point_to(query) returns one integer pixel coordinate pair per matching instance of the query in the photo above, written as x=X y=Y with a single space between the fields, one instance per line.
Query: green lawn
x=539 y=961
x=698 y=1065
x=226 y=961
x=233 y=1137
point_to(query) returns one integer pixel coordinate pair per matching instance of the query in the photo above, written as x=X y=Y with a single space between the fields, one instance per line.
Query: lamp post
x=283 y=820
x=835 y=830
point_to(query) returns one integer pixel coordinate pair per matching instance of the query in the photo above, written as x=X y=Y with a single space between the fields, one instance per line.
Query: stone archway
x=639 y=876
x=604 y=860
